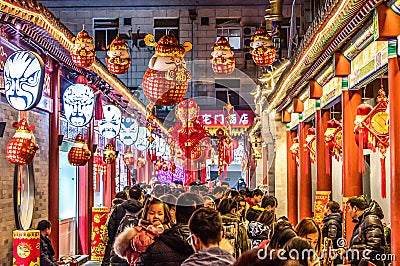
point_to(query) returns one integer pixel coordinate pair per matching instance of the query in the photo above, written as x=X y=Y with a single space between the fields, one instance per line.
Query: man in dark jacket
x=46 y=249
x=332 y=222
x=367 y=240
x=133 y=205
x=172 y=247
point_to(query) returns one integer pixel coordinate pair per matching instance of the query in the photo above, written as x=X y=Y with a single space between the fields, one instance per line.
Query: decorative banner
x=23 y=80
x=78 y=104
x=331 y=91
x=141 y=142
x=216 y=118
x=321 y=199
x=309 y=108
x=99 y=219
x=110 y=126
x=129 y=130
x=26 y=247
x=294 y=120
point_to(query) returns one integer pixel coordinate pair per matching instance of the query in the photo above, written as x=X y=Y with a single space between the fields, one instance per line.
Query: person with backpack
x=260 y=230
x=233 y=230
x=124 y=215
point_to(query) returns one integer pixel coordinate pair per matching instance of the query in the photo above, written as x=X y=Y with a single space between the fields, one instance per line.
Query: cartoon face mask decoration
x=222 y=60
x=141 y=142
x=129 y=130
x=262 y=48
x=23 y=80
x=78 y=105
x=117 y=59
x=187 y=111
x=110 y=126
x=83 y=53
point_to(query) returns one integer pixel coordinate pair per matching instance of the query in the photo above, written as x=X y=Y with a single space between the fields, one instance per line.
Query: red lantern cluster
x=118 y=61
x=21 y=149
x=262 y=49
x=79 y=154
x=222 y=60
x=99 y=165
x=83 y=54
x=166 y=80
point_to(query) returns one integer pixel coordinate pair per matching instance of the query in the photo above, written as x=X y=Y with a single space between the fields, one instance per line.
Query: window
x=223 y=95
x=205 y=21
x=163 y=26
x=232 y=34
x=127 y=21
x=105 y=30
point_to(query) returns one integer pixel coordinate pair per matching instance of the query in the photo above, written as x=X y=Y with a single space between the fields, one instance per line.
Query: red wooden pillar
x=394 y=134
x=305 y=189
x=352 y=178
x=291 y=179
x=324 y=178
x=54 y=162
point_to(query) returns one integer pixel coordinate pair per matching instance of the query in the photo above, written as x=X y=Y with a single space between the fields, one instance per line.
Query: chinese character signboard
x=215 y=118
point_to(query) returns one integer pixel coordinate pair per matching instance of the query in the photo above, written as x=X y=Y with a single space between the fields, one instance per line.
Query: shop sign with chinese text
x=213 y=118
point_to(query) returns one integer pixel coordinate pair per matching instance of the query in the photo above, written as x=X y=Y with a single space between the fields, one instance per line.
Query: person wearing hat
x=46 y=249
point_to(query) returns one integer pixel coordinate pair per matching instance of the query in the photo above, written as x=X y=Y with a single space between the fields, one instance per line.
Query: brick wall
x=41 y=165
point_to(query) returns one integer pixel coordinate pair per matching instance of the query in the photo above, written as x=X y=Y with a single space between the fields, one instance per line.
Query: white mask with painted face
x=78 y=104
x=129 y=130
x=110 y=126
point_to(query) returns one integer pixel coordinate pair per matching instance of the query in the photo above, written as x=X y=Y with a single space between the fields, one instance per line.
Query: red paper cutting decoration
x=79 y=154
x=83 y=53
x=118 y=61
x=222 y=60
x=22 y=146
x=262 y=48
x=166 y=80
x=109 y=154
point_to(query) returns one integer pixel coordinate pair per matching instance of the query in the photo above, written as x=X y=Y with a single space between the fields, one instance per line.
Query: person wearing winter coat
x=332 y=222
x=172 y=247
x=368 y=235
x=46 y=249
x=206 y=233
x=260 y=230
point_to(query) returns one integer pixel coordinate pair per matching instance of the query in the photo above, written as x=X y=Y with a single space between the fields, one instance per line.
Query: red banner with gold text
x=26 y=249
x=321 y=199
x=99 y=219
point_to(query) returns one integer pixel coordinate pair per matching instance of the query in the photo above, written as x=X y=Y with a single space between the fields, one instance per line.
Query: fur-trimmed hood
x=123 y=241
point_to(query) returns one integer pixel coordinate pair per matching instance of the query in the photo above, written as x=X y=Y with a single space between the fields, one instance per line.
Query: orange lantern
x=262 y=48
x=22 y=147
x=109 y=154
x=166 y=80
x=118 y=61
x=83 y=53
x=222 y=60
x=79 y=154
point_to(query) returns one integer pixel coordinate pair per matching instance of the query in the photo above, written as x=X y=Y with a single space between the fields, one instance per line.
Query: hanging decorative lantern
x=118 y=61
x=99 y=165
x=79 y=154
x=311 y=143
x=361 y=133
x=141 y=161
x=83 y=53
x=222 y=60
x=262 y=48
x=295 y=149
x=166 y=80
x=109 y=154
x=22 y=146
x=129 y=159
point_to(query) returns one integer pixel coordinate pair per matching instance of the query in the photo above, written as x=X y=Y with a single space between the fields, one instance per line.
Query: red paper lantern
x=109 y=154
x=361 y=133
x=166 y=80
x=22 y=147
x=79 y=154
x=222 y=60
x=83 y=54
x=262 y=48
x=118 y=61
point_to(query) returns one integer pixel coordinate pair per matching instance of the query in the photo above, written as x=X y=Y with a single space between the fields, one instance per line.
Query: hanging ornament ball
x=262 y=48
x=141 y=162
x=109 y=154
x=83 y=53
x=166 y=80
x=21 y=148
x=222 y=60
x=362 y=112
x=79 y=154
x=220 y=133
x=187 y=111
x=118 y=61
x=129 y=158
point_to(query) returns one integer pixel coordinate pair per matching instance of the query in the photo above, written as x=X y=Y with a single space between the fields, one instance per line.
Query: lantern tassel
x=383 y=178
x=361 y=167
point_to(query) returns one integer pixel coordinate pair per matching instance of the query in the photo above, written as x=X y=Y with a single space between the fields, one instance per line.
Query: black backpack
x=129 y=220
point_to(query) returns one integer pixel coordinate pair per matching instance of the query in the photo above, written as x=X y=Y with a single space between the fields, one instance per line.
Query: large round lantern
x=222 y=60
x=79 y=154
x=83 y=53
x=166 y=80
x=361 y=132
x=262 y=48
x=109 y=154
x=118 y=61
x=22 y=147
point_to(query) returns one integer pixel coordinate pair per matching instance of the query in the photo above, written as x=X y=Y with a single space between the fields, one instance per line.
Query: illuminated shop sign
x=331 y=90
x=129 y=130
x=218 y=118
x=294 y=121
x=78 y=103
x=110 y=125
x=23 y=80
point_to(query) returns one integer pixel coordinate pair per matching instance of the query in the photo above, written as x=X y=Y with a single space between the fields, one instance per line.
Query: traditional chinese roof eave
x=328 y=32
x=40 y=17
